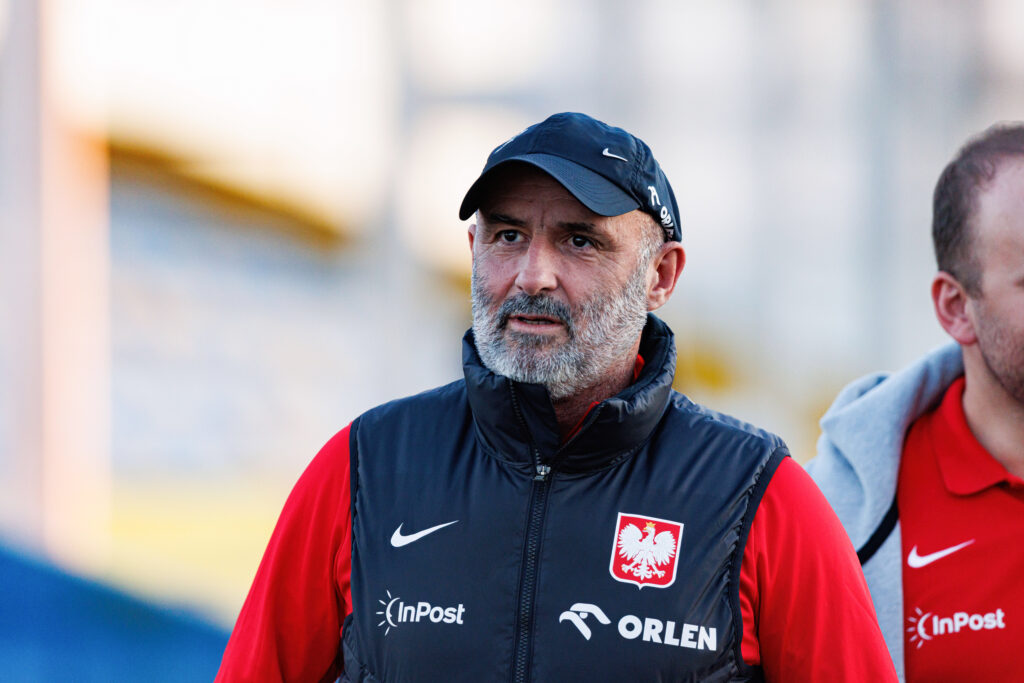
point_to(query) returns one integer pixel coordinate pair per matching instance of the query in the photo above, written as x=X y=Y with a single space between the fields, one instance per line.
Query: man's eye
x=508 y=235
x=581 y=241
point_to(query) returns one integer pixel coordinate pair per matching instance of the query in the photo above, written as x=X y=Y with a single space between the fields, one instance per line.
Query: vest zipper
x=528 y=585
x=521 y=655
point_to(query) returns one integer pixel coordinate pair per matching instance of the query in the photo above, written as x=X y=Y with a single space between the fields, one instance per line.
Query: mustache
x=542 y=305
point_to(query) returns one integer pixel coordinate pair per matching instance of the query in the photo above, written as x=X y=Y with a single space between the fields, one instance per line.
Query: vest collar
x=517 y=420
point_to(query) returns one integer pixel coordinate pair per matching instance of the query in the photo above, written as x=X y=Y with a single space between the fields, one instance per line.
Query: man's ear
x=668 y=266
x=953 y=308
x=472 y=236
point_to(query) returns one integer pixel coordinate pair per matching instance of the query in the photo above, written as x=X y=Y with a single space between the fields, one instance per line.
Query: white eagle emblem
x=646 y=552
x=647 y=557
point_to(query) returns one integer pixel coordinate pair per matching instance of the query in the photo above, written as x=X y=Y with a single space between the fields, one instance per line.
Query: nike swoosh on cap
x=606 y=153
x=915 y=561
x=398 y=539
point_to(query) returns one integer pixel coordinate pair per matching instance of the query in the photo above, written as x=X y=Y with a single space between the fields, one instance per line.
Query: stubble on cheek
x=1002 y=353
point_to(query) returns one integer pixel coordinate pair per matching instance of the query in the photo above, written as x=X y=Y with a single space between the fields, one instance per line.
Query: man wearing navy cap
x=560 y=513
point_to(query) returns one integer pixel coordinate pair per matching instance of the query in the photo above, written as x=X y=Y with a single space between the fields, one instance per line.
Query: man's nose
x=538 y=268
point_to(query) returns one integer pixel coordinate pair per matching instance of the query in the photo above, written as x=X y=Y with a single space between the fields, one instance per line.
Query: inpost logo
x=925 y=626
x=396 y=612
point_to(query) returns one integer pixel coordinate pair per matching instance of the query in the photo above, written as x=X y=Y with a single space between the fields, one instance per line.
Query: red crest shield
x=644 y=550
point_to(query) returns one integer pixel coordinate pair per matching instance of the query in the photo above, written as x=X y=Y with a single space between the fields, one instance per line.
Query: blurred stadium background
x=230 y=226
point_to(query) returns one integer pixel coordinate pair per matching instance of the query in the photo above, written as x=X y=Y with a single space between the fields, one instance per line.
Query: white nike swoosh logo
x=398 y=539
x=915 y=561
x=613 y=156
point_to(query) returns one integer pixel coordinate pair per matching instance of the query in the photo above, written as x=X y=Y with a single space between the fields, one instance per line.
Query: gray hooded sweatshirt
x=858 y=462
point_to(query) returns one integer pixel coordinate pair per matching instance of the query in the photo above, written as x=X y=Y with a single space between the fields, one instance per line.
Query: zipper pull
x=542 y=472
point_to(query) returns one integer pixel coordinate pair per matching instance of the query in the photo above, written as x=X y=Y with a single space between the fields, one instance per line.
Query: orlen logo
x=578 y=612
x=648 y=629
x=397 y=612
x=926 y=626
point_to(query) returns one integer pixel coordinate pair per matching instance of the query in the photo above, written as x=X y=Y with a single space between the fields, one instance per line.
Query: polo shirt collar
x=966 y=467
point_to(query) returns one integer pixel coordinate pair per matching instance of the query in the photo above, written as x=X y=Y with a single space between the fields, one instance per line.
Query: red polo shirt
x=962 y=523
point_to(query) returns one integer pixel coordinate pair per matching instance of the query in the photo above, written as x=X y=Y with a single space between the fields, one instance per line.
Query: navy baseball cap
x=609 y=171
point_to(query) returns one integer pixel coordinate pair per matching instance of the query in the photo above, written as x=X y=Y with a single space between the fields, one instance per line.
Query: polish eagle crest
x=644 y=552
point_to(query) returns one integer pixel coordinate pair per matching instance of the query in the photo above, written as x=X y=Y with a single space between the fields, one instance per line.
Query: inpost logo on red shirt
x=925 y=626
x=645 y=550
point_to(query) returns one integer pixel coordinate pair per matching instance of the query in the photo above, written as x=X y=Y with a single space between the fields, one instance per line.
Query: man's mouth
x=541 y=316
x=536 y=319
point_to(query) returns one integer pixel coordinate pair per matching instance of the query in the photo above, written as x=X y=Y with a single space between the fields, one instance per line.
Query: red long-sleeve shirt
x=807 y=615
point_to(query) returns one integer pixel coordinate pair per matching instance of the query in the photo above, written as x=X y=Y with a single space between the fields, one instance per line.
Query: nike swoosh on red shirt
x=915 y=561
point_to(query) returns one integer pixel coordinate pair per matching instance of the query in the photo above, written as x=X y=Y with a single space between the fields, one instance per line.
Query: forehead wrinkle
x=502 y=218
x=579 y=226
x=562 y=215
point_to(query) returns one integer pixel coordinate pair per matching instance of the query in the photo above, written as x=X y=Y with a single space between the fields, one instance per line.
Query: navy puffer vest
x=485 y=550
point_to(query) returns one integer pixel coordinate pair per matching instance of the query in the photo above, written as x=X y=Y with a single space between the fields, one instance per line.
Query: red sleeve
x=290 y=624
x=807 y=613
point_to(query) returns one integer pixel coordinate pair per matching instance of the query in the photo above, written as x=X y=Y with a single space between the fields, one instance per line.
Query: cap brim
x=593 y=190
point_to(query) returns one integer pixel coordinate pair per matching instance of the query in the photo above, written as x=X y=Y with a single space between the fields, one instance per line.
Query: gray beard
x=601 y=331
